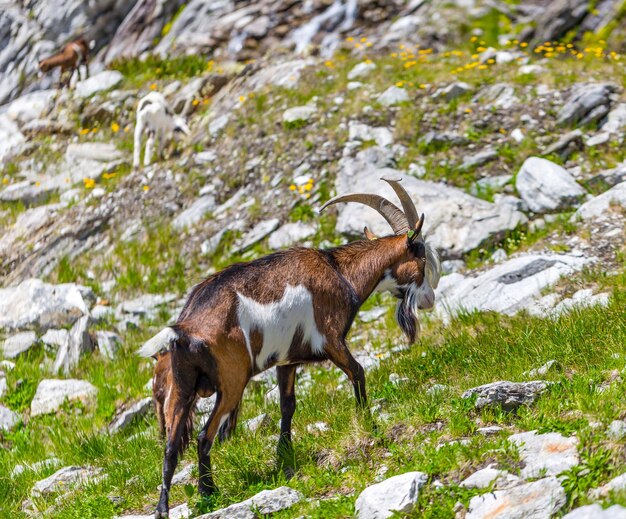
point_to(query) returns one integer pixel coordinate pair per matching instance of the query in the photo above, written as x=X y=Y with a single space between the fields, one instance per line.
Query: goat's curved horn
x=387 y=210
x=405 y=199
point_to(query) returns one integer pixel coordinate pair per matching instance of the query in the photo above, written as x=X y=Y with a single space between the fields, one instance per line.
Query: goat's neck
x=364 y=263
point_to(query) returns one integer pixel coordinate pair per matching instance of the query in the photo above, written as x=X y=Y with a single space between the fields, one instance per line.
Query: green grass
x=335 y=466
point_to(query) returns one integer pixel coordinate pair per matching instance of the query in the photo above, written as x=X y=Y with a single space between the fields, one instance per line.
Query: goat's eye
x=419 y=249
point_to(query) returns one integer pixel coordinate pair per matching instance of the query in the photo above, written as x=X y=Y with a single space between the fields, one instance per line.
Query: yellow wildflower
x=482 y=67
x=195 y=102
x=94 y=130
x=153 y=86
x=242 y=99
x=491 y=61
x=363 y=40
x=292 y=187
x=115 y=127
x=523 y=44
x=329 y=64
x=126 y=128
x=473 y=39
x=108 y=176
x=37 y=183
x=468 y=110
x=89 y=183
x=84 y=131
x=146 y=188
x=349 y=39
x=399 y=84
x=5 y=180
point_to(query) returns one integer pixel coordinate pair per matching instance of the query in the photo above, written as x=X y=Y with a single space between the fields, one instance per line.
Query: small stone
x=490 y=430
x=256 y=234
x=290 y=234
x=54 y=339
x=78 y=342
x=299 y=114
x=263 y=503
x=616 y=430
x=108 y=343
x=600 y=138
x=64 y=479
x=103 y=81
x=258 y=422
x=393 y=96
x=364 y=133
x=451 y=266
x=453 y=90
x=617 y=484
x=396 y=494
x=498 y=256
x=517 y=135
x=374 y=314
x=601 y=204
x=134 y=412
x=18 y=343
x=541 y=371
x=509 y=395
x=51 y=393
x=317 y=427
x=484 y=478
x=361 y=70
x=596 y=511
x=479 y=159
x=195 y=212
x=8 y=418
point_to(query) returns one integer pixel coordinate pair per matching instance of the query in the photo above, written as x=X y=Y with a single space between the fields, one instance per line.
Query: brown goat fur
x=69 y=59
x=285 y=309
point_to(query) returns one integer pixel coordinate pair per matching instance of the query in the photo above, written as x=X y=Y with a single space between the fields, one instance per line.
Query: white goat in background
x=155 y=117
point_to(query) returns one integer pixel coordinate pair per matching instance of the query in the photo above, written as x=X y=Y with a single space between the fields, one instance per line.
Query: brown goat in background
x=70 y=58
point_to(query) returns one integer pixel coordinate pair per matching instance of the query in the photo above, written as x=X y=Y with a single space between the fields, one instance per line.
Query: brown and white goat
x=70 y=58
x=285 y=309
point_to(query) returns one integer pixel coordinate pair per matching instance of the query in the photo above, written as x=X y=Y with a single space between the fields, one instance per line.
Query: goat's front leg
x=177 y=412
x=86 y=70
x=161 y=148
x=286 y=384
x=147 y=159
x=77 y=69
x=226 y=404
x=340 y=355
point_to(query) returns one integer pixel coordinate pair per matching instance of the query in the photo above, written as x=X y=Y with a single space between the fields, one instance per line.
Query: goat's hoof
x=289 y=472
x=160 y=514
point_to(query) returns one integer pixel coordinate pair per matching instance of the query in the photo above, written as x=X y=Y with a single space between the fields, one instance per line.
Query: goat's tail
x=159 y=343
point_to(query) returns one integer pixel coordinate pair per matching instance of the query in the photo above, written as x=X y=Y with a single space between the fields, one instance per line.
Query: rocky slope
x=508 y=132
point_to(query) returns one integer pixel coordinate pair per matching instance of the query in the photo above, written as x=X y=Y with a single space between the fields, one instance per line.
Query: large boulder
x=546 y=186
x=537 y=500
x=589 y=102
x=35 y=304
x=65 y=479
x=455 y=223
x=105 y=80
x=596 y=511
x=18 y=343
x=11 y=139
x=30 y=106
x=396 y=494
x=77 y=342
x=508 y=287
x=51 y=393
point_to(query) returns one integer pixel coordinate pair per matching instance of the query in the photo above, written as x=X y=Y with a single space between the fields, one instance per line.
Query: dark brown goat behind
x=70 y=58
x=283 y=310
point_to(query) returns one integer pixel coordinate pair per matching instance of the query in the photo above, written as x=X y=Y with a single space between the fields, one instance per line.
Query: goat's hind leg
x=147 y=159
x=225 y=410
x=286 y=376
x=177 y=408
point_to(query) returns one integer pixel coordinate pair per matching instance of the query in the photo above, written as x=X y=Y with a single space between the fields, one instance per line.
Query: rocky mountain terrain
x=506 y=122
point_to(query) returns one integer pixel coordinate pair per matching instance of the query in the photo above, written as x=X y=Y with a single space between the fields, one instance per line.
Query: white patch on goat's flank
x=278 y=322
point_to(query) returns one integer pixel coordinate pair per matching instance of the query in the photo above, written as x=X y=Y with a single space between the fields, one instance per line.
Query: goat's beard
x=406 y=313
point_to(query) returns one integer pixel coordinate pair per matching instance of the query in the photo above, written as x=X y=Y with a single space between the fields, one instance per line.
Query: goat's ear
x=413 y=234
x=369 y=234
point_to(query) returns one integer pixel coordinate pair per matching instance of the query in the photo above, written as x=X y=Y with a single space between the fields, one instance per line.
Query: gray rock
x=456 y=222
x=617 y=484
x=374 y=314
x=451 y=266
x=78 y=342
x=26 y=191
x=546 y=186
x=393 y=96
x=479 y=159
x=204 y=406
x=183 y=476
x=65 y=479
x=616 y=430
x=11 y=139
x=396 y=494
x=453 y=90
x=361 y=70
x=317 y=428
x=567 y=144
x=298 y=114
x=210 y=246
x=194 y=213
x=18 y=343
x=51 y=393
x=547 y=454
x=509 y=395
x=35 y=304
x=490 y=430
x=615 y=119
x=291 y=234
x=537 y=500
x=596 y=511
x=126 y=418
x=35 y=467
x=258 y=422
x=144 y=306
x=598 y=139
x=587 y=103
x=178 y=512
x=30 y=106
x=499 y=95
x=581 y=299
x=256 y=234
x=8 y=418
x=601 y=204
x=484 y=478
x=101 y=312
x=443 y=138
x=265 y=502
x=487 y=184
x=105 y=80
x=108 y=343
x=3 y=385
x=507 y=287
x=362 y=132
x=218 y=124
